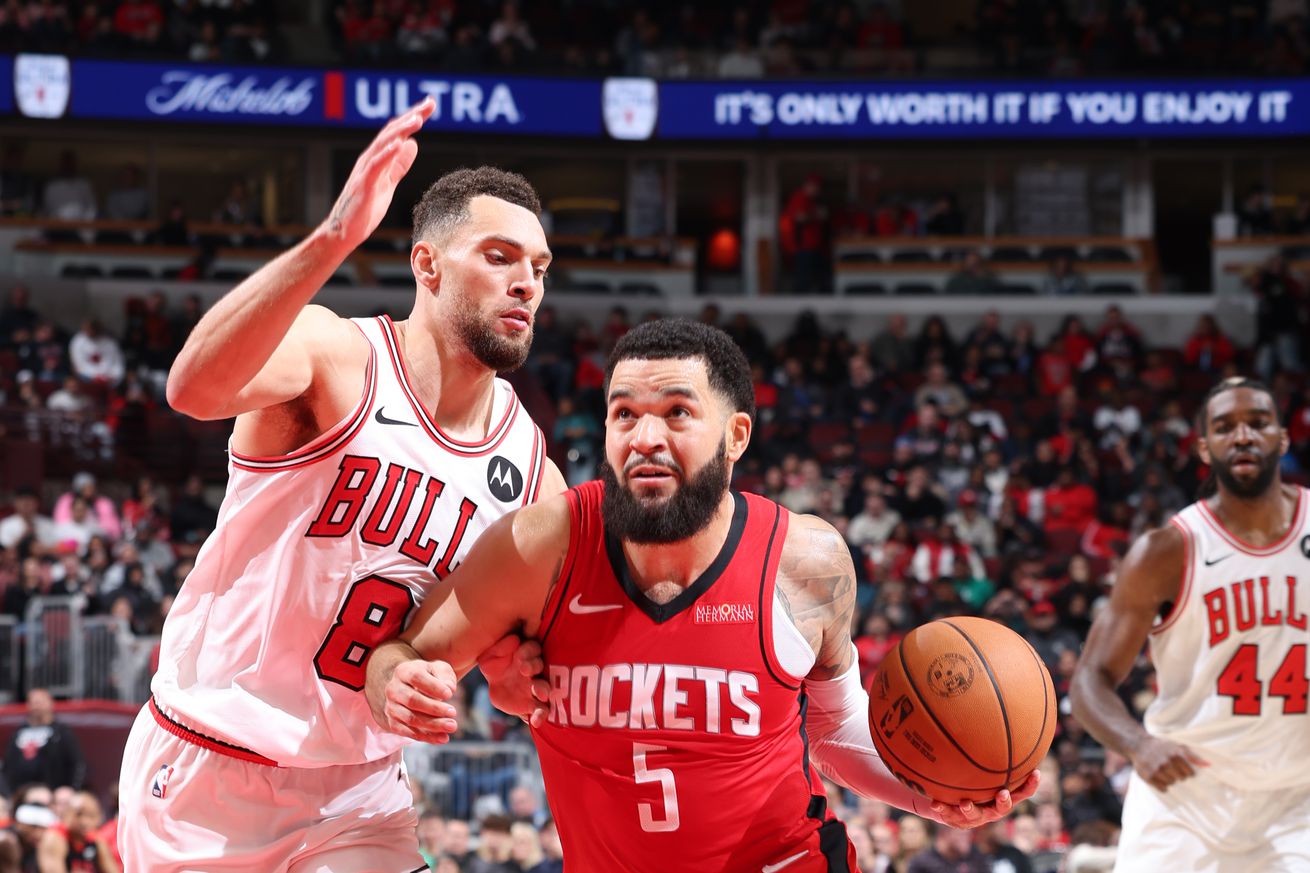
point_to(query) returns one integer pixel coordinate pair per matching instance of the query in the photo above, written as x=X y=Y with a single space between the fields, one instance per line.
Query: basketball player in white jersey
x=1222 y=593
x=366 y=458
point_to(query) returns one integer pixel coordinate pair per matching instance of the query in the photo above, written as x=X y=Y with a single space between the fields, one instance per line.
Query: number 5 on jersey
x=664 y=776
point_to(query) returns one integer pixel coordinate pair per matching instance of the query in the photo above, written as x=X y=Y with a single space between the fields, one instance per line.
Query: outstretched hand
x=513 y=669
x=972 y=815
x=366 y=196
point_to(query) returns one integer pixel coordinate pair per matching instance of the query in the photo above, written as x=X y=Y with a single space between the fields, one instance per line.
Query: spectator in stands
x=130 y=201
x=1207 y=349
x=102 y=509
x=69 y=196
x=1254 y=216
x=1053 y=370
x=494 y=848
x=1087 y=796
x=26 y=521
x=1079 y=344
x=69 y=398
x=858 y=400
x=875 y=642
x=238 y=207
x=510 y=26
x=551 y=849
x=803 y=234
x=1108 y=535
x=1070 y=505
x=422 y=32
x=992 y=345
x=994 y=844
x=139 y=23
x=952 y=851
x=972 y=525
x=44 y=750
x=924 y=434
x=1280 y=317
x=943 y=217
x=18 y=187
x=1062 y=278
x=173 y=230
x=939 y=552
x=891 y=348
x=17 y=315
x=577 y=434
x=78 y=845
x=1118 y=344
x=1116 y=419
x=193 y=516
x=934 y=344
x=741 y=61
x=525 y=846
x=874 y=523
x=1024 y=351
x=938 y=389
x=95 y=355
x=973 y=278
x=918 y=502
x=80 y=526
x=1298 y=222
x=1046 y=635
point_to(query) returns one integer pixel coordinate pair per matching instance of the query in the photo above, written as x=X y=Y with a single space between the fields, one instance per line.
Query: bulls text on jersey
x=655 y=697
x=353 y=491
x=1245 y=604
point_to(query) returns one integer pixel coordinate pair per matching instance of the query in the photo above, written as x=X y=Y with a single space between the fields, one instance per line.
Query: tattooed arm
x=816 y=588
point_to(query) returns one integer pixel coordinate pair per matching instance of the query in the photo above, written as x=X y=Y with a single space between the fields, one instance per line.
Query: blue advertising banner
x=6 y=84
x=263 y=95
x=993 y=110
x=53 y=86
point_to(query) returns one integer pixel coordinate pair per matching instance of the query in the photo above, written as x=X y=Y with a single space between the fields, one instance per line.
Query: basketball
x=962 y=708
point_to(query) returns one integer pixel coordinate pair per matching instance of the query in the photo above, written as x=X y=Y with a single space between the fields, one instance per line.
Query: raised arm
x=1150 y=577
x=816 y=586
x=255 y=347
x=500 y=588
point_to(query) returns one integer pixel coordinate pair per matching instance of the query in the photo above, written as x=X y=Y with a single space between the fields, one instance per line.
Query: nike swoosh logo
x=1210 y=562
x=382 y=419
x=577 y=607
x=785 y=862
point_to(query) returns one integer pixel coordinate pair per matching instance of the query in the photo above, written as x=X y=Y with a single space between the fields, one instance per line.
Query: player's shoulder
x=811 y=535
x=1159 y=553
x=330 y=335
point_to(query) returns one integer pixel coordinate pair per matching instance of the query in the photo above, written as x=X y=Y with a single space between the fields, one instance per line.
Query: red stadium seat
x=1064 y=543
x=877 y=435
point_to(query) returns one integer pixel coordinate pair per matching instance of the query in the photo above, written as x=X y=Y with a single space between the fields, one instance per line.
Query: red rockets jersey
x=675 y=739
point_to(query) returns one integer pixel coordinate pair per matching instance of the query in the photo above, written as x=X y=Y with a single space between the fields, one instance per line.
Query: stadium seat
x=1011 y=253
x=640 y=289
x=860 y=256
x=878 y=434
x=866 y=289
x=228 y=275
x=1018 y=289
x=62 y=235
x=1113 y=288
x=914 y=288
x=1050 y=253
x=395 y=280
x=339 y=279
x=824 y=433
x=115 y=238
x=911 y=256
x=130 y=271
x=1064 y=543
x=593 y=287
x=1109 y=255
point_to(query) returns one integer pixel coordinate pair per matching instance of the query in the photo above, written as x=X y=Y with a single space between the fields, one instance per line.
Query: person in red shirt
x=1053 y=369
x=1207 y=349
x=75 y=845
x=1069 y=504
x=803 y=228
x=683 y=624
x=139 y=21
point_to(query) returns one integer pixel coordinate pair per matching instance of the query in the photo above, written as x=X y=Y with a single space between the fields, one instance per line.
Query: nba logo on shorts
x=160 y=787
x=631 y=106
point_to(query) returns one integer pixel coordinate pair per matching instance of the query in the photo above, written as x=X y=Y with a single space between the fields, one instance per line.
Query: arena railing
x=77 y=656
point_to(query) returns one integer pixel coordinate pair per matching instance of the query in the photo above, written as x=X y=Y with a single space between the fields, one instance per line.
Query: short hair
x=1232 y=383
x=446 y=202
x=729 y=373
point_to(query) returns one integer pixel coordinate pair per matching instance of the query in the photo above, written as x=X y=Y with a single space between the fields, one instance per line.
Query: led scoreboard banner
x=53 y=86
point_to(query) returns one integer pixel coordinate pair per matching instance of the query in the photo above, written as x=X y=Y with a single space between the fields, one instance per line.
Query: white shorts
x=1203 y=825
x=192 y=805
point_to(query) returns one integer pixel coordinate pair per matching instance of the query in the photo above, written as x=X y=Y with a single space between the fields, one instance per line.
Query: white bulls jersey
x=1230 y=657
x=321 y=554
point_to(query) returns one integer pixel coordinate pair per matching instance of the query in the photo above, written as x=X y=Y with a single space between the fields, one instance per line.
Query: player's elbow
x=187 y=395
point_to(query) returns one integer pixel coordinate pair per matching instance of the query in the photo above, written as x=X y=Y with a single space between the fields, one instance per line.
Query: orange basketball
x=962 y=708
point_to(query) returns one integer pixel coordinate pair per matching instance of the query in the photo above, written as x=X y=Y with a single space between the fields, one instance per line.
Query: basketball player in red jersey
x=697 y=641
x=1222 y=594
x=366 y=457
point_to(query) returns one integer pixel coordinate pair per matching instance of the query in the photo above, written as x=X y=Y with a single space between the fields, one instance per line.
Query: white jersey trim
x=322 y=446
x=494 y=437
x=1185 y=586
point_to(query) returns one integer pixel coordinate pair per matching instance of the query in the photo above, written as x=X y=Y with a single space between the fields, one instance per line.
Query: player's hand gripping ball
x=961 y=709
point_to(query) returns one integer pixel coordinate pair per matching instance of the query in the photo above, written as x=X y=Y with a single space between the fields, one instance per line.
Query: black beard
x=1247 y=490
x=676 y=518
x=496 y=352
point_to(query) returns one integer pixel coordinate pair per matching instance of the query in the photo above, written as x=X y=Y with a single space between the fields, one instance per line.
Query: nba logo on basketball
x=160 y=787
